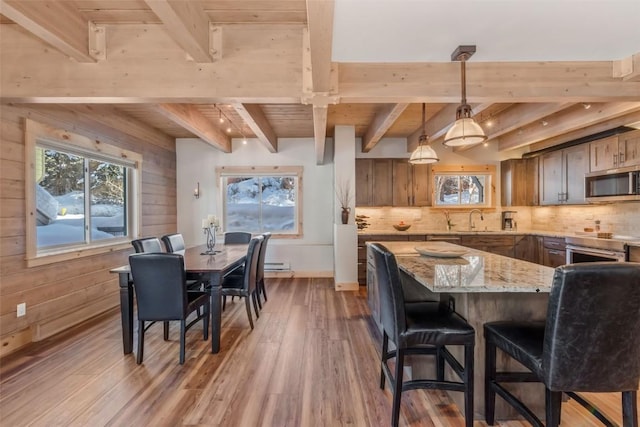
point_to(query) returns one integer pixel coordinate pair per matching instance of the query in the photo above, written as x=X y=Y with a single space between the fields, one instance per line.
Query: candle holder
x=210 y=227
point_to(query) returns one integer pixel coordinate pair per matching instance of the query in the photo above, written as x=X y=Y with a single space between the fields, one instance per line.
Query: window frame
x=38 y=134
x=459 y=170
x=251 y=171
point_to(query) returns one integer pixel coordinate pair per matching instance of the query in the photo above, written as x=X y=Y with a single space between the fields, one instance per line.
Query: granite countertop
x=475 y=271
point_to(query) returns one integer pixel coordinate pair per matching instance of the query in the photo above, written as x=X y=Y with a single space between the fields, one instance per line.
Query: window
x=463 y=186
x=84 y=193
x=262 y=199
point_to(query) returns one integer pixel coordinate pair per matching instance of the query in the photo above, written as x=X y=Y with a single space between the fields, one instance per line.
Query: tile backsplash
x=619 y=218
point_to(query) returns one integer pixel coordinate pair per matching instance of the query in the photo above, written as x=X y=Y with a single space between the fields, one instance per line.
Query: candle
x=211 y=218
x=205 y=223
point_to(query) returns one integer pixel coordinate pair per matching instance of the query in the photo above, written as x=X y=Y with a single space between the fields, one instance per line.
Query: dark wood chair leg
x=254 y=298
x=397 y=392
x=630 y=409
x=183 y=333
x=224 y=302
x=489 y=377
x=468 y=380
x=553 y=404
x=439 y=364
x=385 y=348
x=165 y=327
x=248 y=306
x=264 y=290
x=258 y=297
x=205 y=326
x=140 y=354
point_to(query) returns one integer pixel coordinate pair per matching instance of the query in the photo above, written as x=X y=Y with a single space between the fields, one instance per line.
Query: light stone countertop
x=475 y=271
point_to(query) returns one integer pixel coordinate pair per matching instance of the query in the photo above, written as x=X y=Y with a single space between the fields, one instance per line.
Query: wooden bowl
x=401 y=227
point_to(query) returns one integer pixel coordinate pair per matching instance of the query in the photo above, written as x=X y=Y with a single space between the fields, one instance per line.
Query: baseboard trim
x=347 y=286
x=300 y=274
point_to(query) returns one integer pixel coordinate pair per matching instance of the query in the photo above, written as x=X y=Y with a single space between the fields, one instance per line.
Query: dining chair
x=260 y=287
x=245 y=285
x=420 y=328
x=588 y=343
x=147 y=245
x=160 y=286
x=231 y=237
x=174 y=243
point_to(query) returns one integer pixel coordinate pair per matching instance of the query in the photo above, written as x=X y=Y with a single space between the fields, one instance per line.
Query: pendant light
x=465 y=130
x=424 y=153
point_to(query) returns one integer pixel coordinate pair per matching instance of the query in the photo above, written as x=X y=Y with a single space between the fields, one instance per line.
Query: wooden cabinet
x=615 y=151
x=629 y=148
x=499 y=245
x=526 y=248
x=391 y=182
x=561 y=176
x=362 y=249
x=634 y=253
x=519 y=182
x=554 y=251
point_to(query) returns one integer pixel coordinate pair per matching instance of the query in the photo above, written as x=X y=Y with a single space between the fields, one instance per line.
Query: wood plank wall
x=62 y=294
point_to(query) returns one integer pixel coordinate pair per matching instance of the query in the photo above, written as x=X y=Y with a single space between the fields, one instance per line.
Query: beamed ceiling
x=265 y=68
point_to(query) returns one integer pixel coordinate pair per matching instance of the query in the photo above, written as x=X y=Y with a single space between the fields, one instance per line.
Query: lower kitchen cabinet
x=500 y=245
x=554 y=252
x=634 y=253
x=526 y=248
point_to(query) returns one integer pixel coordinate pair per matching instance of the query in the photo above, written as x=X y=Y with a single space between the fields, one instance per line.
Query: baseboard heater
x=277 y=266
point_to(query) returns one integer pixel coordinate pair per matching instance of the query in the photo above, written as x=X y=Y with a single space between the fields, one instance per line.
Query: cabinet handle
x=615 y=160
x=621 y=158
x=559 y=197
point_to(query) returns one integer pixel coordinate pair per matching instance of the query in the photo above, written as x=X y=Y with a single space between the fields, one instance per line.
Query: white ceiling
x=502 y=30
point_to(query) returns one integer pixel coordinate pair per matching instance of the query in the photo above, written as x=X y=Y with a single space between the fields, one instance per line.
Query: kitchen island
x=485 y=287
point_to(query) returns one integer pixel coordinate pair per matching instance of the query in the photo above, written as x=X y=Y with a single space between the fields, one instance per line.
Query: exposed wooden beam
x=190 y=118
x=57 y=23
x=188 y=25
x=589 y=130
x=497 y=82
x=383 y=120
x=628 y=68
x=320 y=132
x=569 y=120
x=254 y=117
x=320 y=24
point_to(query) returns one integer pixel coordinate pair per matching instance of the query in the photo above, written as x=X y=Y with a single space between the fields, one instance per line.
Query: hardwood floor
x=312 y=360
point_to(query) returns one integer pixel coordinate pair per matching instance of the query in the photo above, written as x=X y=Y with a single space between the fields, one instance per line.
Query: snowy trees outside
x=64 y=177
x=460 y=190
x=261 y=203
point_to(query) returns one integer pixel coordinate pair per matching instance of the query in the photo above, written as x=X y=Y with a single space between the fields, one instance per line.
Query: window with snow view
x=83 y=193
x=454 y=189
x=259 y=203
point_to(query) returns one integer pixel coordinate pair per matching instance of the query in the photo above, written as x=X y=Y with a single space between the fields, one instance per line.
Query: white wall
x=197 y=162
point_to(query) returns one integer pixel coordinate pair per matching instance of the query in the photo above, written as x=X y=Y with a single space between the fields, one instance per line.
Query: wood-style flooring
x=312 y=360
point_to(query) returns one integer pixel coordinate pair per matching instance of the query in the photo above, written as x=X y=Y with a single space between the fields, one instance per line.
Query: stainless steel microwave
x=613 y=185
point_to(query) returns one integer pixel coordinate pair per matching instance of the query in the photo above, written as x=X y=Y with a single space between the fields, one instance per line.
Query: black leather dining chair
x=589 y=343
x=159 y=282
x=420 y=328
x=245 y=285
x=261 y=289
x=231 y=237
x=147 y=245
x=174 y=243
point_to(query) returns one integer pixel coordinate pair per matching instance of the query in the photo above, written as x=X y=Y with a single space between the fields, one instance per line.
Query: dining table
x=211 y=267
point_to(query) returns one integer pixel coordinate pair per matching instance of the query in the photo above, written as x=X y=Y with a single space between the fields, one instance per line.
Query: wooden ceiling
x=221 y=69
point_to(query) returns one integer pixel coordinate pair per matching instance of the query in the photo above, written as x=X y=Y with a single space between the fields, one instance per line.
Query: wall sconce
x=196 y=191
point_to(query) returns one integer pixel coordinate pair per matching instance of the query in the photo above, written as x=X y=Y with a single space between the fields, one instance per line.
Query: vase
x=345 y=215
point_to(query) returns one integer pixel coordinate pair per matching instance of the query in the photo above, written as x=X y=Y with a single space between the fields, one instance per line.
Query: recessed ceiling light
x=586 y=106
x=544 y=123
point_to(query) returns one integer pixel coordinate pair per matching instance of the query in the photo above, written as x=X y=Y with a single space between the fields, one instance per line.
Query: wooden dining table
x=213 y=268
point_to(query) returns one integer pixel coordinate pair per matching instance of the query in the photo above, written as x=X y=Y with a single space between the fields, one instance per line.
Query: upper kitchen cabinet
x=615 y=151
x=519 y=182
x=391 y=182
x=374 y=182
x=562 y=176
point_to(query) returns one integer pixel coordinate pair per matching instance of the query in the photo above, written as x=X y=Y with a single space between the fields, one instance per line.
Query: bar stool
x=420 y=328
x=589 y=343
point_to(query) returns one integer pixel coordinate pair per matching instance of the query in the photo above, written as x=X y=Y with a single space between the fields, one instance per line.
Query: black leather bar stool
x=589 y=343
x=420 y=328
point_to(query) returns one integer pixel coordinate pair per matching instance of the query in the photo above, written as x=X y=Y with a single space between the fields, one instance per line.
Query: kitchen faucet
x=472 y=225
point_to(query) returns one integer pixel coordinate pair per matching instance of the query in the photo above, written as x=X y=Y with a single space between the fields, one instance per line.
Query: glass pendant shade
x=465 y=131
x=424 y=153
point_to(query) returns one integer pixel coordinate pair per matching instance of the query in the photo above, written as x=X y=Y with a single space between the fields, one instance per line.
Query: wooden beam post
x=381 y=123
x=254 y=117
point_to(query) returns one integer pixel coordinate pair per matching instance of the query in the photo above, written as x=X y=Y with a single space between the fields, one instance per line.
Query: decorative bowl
x=401 y=227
